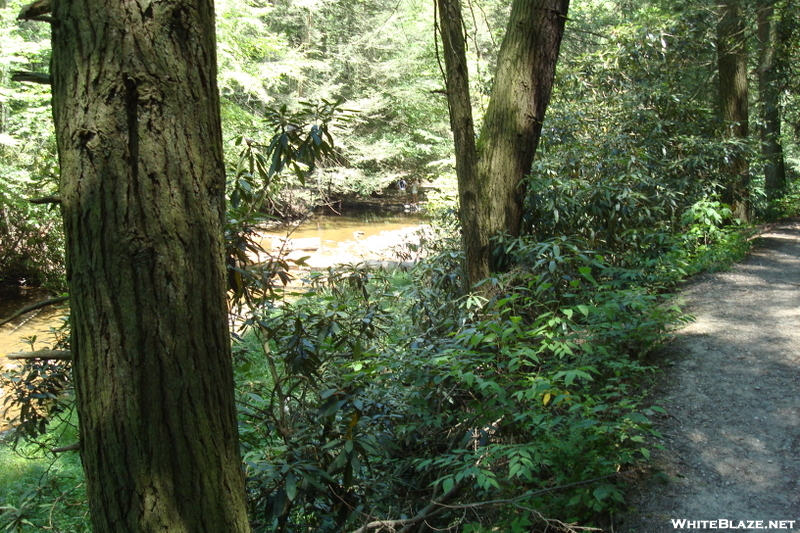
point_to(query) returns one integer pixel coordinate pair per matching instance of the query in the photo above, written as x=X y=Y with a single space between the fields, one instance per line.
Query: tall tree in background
x=491 y=172
x=142 y=186
x=769 y=95
x=732 y=66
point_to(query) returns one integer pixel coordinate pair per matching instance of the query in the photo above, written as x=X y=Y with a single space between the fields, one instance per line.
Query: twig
x=437 y=506
x=407 y=524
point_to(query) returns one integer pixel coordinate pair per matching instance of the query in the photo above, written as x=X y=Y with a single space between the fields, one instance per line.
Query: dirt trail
x=732 y=391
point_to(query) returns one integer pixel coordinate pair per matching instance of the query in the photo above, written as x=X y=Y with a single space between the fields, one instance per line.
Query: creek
x=336 y=229
x=324 y=241
x=34 y=324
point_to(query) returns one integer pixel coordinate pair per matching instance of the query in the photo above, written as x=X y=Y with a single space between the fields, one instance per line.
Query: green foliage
x=31 y=240
x=632 y=139
x=380 y=390
x=377 y=56
x=786 y=205
x=36 y=393
x=309 y=428
x=300 y=141
x=259 y=193
x=39 y=492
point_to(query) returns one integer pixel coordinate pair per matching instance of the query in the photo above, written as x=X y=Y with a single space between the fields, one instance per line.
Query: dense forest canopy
x=404 y=398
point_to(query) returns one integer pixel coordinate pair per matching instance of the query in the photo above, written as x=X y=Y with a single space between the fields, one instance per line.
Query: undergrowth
x=518 y=406
x=39 y=490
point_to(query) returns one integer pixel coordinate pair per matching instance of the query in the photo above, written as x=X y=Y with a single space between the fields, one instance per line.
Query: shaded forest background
x=516 y=407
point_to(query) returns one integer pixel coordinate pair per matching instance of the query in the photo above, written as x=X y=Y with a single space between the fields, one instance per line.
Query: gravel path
x=732 y=391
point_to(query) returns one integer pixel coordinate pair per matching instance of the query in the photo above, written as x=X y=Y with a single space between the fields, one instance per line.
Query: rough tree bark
x=769 y=96
x=142 y=186
x=491 y=174
x=732 y=65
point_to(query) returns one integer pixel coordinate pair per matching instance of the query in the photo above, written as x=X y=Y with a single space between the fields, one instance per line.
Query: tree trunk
x=769 y=97
x=142 y=186
x=732 y=64
x=491 y=179
x=474 y=241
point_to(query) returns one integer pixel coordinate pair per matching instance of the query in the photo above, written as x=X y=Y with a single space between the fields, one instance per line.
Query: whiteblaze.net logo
x=683 y=523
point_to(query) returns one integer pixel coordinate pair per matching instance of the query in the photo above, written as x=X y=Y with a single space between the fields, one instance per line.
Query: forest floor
x=731 y=388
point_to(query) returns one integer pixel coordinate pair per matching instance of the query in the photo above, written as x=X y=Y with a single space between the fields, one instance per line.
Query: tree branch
x=32 y=77
x=437 y=506
x=34 y=10
x=34 y=307
x=45 y=200
x=430 y=510
x=68 y=448
x=59 y=355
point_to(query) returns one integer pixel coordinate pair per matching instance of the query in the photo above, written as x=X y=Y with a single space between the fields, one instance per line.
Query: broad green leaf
x=447 y=484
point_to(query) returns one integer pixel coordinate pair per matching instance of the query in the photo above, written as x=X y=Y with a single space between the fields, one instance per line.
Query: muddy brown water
x=336 y=229
x=37 y=323
x=333 y=232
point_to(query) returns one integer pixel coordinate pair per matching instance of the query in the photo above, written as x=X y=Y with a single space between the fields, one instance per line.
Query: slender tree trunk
x=732 y=64
x=769 y=96
x=142 y=186
x=491 y=179
x=474 y=241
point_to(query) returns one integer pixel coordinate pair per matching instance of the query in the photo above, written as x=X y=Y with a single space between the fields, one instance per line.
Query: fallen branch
x=429 y=511
x=437 y=506
x=59 y=355
x=34 y=307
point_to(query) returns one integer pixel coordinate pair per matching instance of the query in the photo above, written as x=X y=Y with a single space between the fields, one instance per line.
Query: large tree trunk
x=770 y=99
x=491 y=178
x=142 y=187
x=732 y=64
